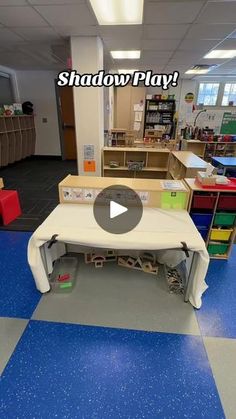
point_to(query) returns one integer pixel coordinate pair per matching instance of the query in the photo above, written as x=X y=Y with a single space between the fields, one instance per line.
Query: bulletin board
x=228 y=123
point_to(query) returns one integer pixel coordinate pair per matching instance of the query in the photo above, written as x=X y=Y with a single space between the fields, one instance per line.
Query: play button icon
x=118 y=209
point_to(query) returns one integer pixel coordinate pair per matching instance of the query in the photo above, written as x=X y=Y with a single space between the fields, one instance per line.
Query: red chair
x=10 y=207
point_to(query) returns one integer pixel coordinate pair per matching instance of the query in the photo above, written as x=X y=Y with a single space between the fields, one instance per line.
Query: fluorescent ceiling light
x=221 y=53
x=127 y=71
x=196 y=71
x=125 y=55
x=118 y=12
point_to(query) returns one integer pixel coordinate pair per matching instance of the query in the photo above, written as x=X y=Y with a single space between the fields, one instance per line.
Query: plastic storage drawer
x=201 y=220
x=227 y=202
x=204 y=201
x=217 y=248
x=64 y=272
x=204 y=232
x=224 y=219
x=220 y=234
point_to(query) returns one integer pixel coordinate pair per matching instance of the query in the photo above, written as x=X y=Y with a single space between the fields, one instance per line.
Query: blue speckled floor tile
x=18 y=295
x=218 y=312
x=72 y=371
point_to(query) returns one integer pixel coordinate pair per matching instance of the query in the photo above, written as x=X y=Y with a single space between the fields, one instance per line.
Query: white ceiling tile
x=122 y=44
x=50 y=2
x=209 y=31
x=37 y=34
x=165 y=44
x=227 y=44
x=127 y=63
x=165 y=31
x=200 y=45
x=233 y=35
x=20 y=16
x=121 y=32
x=75 y=14
x=80 y=30
x=9 y=37
x=218 y=12
x=172 y=12
x=150 y=54
x=13 y=3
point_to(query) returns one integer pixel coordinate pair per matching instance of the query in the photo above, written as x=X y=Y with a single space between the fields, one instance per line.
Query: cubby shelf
x=214 y=213
x=17 y=138
x=155 y=162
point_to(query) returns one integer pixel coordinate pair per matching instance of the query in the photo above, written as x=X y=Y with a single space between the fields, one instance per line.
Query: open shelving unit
x=159 y=112
x=214 y=213
x=185 y=164
x=155 y=162
x=17 y=138
x=209 y=149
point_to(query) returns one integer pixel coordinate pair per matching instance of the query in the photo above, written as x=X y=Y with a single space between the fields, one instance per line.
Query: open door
x=66 y=120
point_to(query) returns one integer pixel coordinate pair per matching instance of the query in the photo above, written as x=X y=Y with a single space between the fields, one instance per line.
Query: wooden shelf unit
x=156 y=162
x=214 y=214
x=185 y=164
x=207 y=149
x=73 y=190
x=159 y=112
x=17 y=138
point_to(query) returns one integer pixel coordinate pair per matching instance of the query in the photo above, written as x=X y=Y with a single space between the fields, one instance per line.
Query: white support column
x=87 y=57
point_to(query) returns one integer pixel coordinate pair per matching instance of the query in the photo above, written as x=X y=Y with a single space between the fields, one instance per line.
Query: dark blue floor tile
x=72 y=371
x=218 y=312
x=18 y=294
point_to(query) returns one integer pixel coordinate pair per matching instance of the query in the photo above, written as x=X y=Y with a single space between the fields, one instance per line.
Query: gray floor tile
x=120 y=297
x=10 y=332
x=222 y=357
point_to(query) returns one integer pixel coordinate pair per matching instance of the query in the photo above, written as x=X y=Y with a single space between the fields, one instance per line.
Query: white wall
x=38 y=87
x=87 y=57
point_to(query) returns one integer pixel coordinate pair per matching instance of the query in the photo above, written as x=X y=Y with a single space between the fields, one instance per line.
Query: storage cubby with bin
x=214 y=213
x=153 y=163
x=17 y=138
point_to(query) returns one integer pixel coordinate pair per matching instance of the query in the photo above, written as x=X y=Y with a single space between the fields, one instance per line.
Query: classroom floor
x=118 y=346
x=36 y=180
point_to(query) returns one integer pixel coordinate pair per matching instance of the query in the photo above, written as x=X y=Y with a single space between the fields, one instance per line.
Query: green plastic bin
x=224 y=219
x=217 y=248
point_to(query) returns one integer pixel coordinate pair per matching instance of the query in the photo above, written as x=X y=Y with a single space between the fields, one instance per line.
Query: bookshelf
x=159 y=113
x=17 y=138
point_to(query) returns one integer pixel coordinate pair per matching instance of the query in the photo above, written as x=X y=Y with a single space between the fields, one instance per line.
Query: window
x=208 y=93
x=229 y=94
x=6 y=94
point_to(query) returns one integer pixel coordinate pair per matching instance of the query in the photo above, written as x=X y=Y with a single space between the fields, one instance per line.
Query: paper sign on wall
x=137 y=126
x=89 y=166
x=139 y=107
x=138 y=116
x=89 y=152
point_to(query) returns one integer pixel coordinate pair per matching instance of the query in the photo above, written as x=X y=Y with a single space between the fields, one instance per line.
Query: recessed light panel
x=118 y=12
x=125 y=55
x=195 y=71
x=221 y=53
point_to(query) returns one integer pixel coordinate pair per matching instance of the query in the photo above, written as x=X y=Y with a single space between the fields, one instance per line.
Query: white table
x=158 y=230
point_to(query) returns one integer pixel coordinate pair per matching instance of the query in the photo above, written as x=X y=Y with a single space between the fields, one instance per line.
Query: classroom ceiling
x=175 y=34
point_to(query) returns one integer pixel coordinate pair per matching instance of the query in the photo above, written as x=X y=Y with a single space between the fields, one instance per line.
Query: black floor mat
x=36 y=180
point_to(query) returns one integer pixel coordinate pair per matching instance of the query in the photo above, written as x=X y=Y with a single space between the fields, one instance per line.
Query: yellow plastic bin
x=220 y=234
